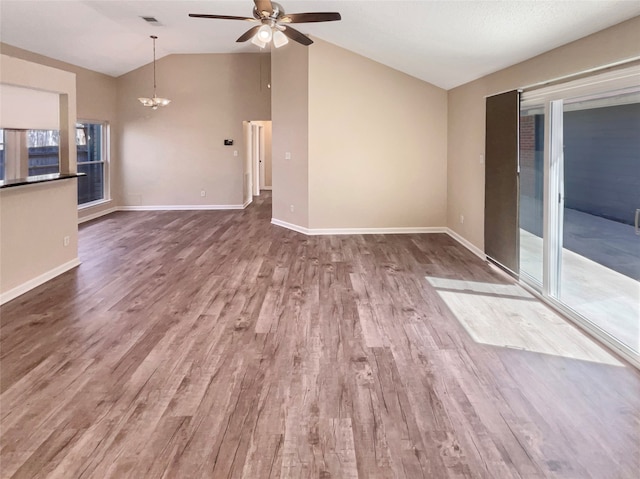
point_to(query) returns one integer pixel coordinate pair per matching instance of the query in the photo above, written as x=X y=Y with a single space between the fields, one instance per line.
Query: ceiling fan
x=274 y=23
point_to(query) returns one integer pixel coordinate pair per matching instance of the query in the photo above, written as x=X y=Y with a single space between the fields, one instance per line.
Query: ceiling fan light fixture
x=154 y=102
x=279 y=39
x=265 y=33
x=256 y=41
x=270 y=21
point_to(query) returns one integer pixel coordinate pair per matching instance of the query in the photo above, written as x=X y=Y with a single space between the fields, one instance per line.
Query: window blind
x=501 y=229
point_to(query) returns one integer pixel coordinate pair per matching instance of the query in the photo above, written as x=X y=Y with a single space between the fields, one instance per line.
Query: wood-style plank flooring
x=216 y=345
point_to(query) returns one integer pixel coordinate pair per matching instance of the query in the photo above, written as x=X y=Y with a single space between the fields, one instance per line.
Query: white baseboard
x=180 y=207
x=384 y=231
x=37 y=281
x=356 y=231
x=268 y=188
x=247 y=203
x=375 y=231
x=467 y=244
x=93 y=216
x=290 y=226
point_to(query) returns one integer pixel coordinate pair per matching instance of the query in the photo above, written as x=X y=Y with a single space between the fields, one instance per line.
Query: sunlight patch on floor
x=506 y=315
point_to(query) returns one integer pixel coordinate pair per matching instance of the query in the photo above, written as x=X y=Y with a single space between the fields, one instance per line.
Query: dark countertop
x=38 y=179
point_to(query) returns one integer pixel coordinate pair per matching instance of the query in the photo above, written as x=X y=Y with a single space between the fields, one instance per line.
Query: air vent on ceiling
x=152 y=21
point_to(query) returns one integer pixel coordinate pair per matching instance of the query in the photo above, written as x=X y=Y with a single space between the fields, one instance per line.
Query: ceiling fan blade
x=264 y=6
x=296 y=36
x=311 y=17
x=221 y=17
x=248 y=34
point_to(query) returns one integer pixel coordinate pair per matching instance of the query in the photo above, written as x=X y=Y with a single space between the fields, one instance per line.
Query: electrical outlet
x=291 y=208
x=287 y=155
x=461 y=219
x=482 y=159
x=235 y=152
x=65 y=241
x=203 y=193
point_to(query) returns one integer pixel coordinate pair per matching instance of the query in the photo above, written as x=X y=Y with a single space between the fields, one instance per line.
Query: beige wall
x=34 y=219
x=465 y=176
x=290 y=124
x=28 y=109
x=170 y=155
x=377 y=144
x=95 y=100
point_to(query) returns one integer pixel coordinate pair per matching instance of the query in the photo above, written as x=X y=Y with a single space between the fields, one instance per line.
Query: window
x=91 y=139
x=27 y=153
x=44 y=152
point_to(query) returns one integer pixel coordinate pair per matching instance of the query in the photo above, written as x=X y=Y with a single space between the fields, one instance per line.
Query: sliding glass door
x=600 y=263
x=531 y=191
x=579 y=198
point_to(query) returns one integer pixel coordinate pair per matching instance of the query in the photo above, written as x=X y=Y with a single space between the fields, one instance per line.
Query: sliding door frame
x=552 y=98
x=554 y=211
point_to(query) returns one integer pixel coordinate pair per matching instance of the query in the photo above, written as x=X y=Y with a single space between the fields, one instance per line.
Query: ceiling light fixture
x=271 y=23
x=154 y=102
x=264 y=33
x=267 y=33
x=279 y=39
x=256 y=41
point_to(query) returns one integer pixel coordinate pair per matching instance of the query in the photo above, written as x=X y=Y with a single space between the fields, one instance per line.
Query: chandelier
x=154 y=102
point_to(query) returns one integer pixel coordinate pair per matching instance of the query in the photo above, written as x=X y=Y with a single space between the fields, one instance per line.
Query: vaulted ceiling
x=446 y=43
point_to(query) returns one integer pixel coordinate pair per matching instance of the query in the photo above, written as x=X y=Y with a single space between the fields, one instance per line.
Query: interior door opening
x=257 y=164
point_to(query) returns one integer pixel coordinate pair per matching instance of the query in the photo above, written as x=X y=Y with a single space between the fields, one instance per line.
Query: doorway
x=579 y=171
x=257 y=170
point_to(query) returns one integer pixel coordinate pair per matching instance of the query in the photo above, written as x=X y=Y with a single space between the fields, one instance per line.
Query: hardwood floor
x=215 y=345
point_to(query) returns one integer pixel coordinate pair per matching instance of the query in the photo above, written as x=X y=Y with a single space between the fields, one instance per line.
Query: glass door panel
x=531 y=191
x=600 y=251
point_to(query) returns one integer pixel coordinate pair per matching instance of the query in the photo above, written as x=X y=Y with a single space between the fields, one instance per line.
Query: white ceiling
x=447 y=43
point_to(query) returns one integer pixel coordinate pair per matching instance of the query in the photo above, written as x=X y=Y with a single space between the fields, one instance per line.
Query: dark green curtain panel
x=501 y=229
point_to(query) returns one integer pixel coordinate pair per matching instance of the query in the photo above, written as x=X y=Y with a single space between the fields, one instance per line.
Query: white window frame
x=106 y=162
